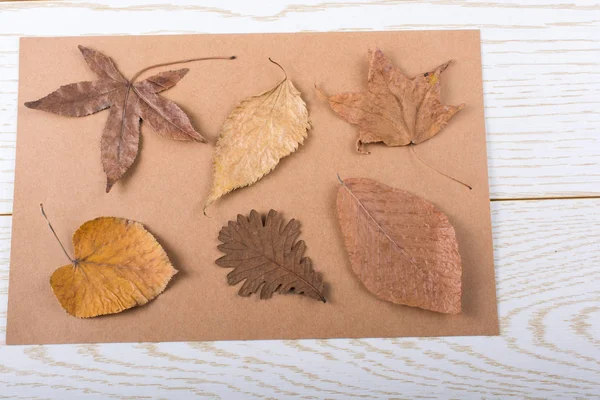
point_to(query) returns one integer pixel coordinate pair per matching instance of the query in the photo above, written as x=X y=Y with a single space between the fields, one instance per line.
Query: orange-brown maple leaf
x=396 y=110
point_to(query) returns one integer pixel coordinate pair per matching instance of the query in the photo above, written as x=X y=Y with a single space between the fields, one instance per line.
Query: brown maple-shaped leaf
x=118 y=265
x=401 y=247
x=396 y=110
x=129 y=102
x=267 y=254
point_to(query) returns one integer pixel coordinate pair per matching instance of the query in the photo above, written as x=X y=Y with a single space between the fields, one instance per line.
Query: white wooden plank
x=540 y=66
x=548 y=272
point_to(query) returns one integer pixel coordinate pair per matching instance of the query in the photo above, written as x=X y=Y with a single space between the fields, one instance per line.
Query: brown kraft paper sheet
x=58 y=164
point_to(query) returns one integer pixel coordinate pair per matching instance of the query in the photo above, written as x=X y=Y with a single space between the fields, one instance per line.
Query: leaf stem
x=178 y=62
x=412 y=147
x=283 y=70
x=321 y=94
x=55 y=235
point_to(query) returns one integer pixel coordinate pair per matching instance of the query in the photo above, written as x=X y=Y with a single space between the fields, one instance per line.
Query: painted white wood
x=542 y=95
x=548 y=272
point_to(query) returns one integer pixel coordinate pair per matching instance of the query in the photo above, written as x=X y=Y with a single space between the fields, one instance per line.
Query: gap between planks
x=583 y=197
x=495 y=200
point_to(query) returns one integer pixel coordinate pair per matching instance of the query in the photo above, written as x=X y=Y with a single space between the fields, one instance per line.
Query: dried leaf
x=267 y=254
x=256 y=135
x=401 y=247
x=118 y=265
x=396 y=110
x=129 y=102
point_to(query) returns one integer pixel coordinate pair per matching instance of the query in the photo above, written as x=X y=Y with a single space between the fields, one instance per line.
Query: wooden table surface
x=541 y=70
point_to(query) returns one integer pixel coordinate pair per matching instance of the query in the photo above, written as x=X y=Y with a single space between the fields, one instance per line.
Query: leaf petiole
x=283 y=70
x=178 y=62
x=412 y=147
x=74 y=262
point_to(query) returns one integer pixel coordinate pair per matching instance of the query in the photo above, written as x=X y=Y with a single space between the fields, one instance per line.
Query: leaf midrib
x=131 y=87
x=361 y=205
x=390 y=122
x=93 y=96
x=280 y=266
x=155 y=108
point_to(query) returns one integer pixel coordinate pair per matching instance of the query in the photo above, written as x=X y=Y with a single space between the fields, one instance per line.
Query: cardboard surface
x=58 y=164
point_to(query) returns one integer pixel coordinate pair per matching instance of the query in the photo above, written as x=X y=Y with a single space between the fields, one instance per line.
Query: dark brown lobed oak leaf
x=267 y=254
x=129 y=102
x=396 y=110
x=402 y=248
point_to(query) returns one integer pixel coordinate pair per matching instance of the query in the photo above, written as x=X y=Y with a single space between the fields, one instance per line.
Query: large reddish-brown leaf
x=267 y=256
x=401 y=247
x=129 y=103
x=396 y=110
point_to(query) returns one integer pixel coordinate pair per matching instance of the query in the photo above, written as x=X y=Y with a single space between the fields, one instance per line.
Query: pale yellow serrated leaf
x=257 y=134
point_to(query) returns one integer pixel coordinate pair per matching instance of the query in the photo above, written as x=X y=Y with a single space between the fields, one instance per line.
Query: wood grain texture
x=540 y=68
x=548 y=273
x=542 y=95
